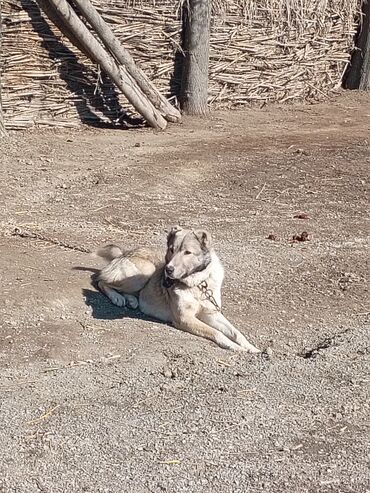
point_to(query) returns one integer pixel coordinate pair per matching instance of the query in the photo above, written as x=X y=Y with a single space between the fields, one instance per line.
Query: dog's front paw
x=249 y=348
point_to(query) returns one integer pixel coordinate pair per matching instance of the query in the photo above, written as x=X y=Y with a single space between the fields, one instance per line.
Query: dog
x=184 y=290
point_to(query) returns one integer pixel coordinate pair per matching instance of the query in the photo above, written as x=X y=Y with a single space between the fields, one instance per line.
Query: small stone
x=301 y=237
x=168 y=373
x=269 y=351
x=301 y=151
x=301 y=215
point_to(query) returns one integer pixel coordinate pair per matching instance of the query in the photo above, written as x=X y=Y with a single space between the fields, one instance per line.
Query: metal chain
x=38 y=236
x=208 y=293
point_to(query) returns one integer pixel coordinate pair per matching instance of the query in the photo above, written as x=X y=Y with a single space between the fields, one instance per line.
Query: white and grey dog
x=184 y=290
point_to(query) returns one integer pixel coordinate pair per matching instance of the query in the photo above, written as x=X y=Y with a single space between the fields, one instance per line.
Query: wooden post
x=358 y=73
x=89 y=44
x=124 y=57
x=194 y=87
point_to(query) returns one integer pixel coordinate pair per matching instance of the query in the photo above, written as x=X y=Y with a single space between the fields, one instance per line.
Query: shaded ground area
x=97 y=399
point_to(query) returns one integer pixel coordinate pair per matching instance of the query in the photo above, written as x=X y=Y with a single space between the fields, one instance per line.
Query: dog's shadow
x=103 y=309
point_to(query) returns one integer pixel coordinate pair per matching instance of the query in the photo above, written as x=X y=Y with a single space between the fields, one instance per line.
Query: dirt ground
x=97 y=399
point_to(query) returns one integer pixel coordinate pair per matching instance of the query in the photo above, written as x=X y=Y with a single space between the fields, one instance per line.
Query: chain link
x=208 y=293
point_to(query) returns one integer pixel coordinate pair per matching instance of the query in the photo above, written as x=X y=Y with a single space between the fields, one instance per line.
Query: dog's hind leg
x=221 y=323
x=118 y=299
x=131 y=301
x=115 y=297
x=123 y=278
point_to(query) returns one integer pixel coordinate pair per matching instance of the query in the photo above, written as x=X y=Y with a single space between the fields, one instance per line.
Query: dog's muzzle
x=168 y=280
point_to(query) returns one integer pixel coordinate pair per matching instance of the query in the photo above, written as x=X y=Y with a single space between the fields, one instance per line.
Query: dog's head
x=188 y=252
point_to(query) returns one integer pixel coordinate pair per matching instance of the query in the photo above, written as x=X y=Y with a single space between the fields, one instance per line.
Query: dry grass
x=261 y=51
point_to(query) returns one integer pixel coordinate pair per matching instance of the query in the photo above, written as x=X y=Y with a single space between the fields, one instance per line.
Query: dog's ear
x=204 y=238
x=172 y=233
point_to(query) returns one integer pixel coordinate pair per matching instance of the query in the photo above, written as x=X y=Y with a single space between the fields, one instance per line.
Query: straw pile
x=261 y=51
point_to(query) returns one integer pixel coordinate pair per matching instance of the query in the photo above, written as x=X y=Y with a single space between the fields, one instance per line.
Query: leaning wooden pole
x=123 y=56
x=118 y=75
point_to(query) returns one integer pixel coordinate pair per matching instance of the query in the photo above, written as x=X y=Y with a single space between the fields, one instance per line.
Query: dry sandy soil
x=98 y=399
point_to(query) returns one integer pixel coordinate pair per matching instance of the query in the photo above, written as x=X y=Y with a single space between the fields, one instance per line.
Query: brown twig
x=44 y=416
x=260 y=192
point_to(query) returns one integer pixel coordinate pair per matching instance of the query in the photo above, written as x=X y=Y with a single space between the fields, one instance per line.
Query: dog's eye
x=187 y=252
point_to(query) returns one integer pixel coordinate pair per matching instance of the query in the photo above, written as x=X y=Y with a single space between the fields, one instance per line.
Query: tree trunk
x=194 y=88
x=78 y=31
x=124 y=57
x=358 y=73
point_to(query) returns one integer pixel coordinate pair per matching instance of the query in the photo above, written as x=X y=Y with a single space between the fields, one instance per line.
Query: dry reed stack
x=261 y=51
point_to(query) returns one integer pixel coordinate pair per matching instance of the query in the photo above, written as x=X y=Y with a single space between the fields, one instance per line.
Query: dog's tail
x=108 y=252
